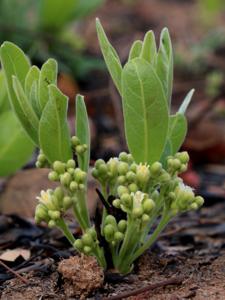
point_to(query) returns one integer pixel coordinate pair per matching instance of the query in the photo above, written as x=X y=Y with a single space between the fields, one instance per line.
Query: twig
x=171 y=281
x=14 y=273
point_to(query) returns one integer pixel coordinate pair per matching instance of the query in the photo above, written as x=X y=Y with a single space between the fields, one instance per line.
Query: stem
x=79 y=218
x=83 y=210
x=65 y=229
x=162 y=224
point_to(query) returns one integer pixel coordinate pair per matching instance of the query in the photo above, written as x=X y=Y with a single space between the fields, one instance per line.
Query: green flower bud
x=172 y=196
x=156 y=168
x=176 y=164
x=73 y=186
x=199 y=200
x=121 y=179
x=53 y=176
x=99 y=162
x=165 y=177
x=65 y=179
x=41 y=213
x=194 y=206
x=183 y=168
x=131 y=176
x=67 y=202
x=71 y=164
x=38 y=164
x=145 y=218
x=112 y=166
x=121 y=190
x=142 y=173
x=148 y=205
x=41 y=158
x=51 y=224
x=130 y=158
x=123 y=156
x=71 y=171
x=87 y=250
x=56 y=202
x=109 y=232
x=80 y=175
x=95 y=173
x=102 y=169
x=137 y=212
x=80 y=149
x=87 y=239
x=110 y=220
x=122 y=225
x=93 y=233
x=58 y=192
x=183 y=157
x=54 y=214
x=75 y=141
x=126 y=199
x=123 y=168
x=59 y=167
x=133 y=188
x=116 y=203
x=78 y=244
x=118 y=236
x=133 y=167
x=81 y=187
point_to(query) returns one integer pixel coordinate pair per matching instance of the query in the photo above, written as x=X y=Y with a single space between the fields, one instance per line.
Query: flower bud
x=126 y=199
x=183 y=168
x=133 y=188
x=87 y=239
x=118 y=236
x=121 y=190
x=58 y=192
x=41 y=213
x=99 y=162
x=54 y=214
x=53 y=176
x=38 y=164
x=51 y=224
x=145 y=218
x=123 y=156
x=95 y=173
x=112 y=166
x=165 y=177
x=80 y=149
x=73 y=186
x=70 y=164
x=59 y=167
x=75 y=141
x=71 y=171
x=80 y=175
x=143 y=173
x=102 y=169
x=148 y=205
x=199 y=200
x=87 y=250
x=65 y=179
x=122 y=225
x=78 y=244
x=109 y=232
x=110 y=220
x=116 y=203
x=194 y=206
x=130 y=158
x=133 y=167
x=41 y=158
x=183 y=157
x=67 y=202
x=156 y=168
x=121 y=179
x=131 y=176
x=122 y=168
x=81 y=187
x=93 y=233
x=137 y=212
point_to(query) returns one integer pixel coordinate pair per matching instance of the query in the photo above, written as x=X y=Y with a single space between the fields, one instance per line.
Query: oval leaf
x=53 y=129
x=145 y=111
x=15 y=147
x=135 y=50
x=177 y=132
x=148 y=51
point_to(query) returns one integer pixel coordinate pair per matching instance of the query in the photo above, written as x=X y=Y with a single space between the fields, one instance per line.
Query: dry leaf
x=12 y=255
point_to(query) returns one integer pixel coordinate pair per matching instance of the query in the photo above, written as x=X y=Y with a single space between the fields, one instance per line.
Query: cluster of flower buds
x=177 y=163
x=137 y=204
x=113 y=231
x=42 y=161
x=88 y=242
x=68 y=175
x=78 y=148
x=52 y=203
x=183 y=199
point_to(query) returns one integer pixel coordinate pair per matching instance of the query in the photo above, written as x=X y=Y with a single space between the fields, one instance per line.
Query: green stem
x=79 y=218
x=162 y=224
x=83 y=210
x=65 y=229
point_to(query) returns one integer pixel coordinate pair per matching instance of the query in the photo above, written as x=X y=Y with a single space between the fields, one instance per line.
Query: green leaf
x=110 y=56
x=177 y=132
x=48 y=76
x=15 y=63
x=83 y=131
x=186 y=102
x=148 y=51
x=53 y=129
x=135 y=50
x=28 y=111
x=164 y=64
x=54 y=14
x=31 y=83
x=15 y=147
x=33 y=98
x=145 y=111
x=4 y=100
